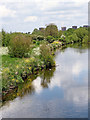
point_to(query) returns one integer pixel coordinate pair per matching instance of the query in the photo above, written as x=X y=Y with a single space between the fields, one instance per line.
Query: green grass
x=7 y=60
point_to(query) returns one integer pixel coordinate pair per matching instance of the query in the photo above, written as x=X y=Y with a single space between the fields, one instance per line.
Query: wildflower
x=17 y=81
x=29 y=68
x=27 y=61
x=30 y=79
x=13 y=79
x=16 y=73
x=6 y=70
x=17 y=66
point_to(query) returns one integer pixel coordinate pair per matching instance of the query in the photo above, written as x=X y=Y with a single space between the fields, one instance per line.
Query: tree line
x=50 y=34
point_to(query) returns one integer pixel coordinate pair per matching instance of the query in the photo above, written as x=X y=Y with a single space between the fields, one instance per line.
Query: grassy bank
x=16 y=70
x=28 y=53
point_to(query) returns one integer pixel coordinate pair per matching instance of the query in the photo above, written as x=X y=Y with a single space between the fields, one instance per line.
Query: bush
x=73 y=38
x=46 y=55
x=62 y=39
x=40 y=38
x=50 y=39
x=20 y=46
x=81 y=32
x=85 y=39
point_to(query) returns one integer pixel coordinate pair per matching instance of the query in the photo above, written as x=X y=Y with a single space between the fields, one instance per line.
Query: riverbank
x=53 y=92
x=16 y=70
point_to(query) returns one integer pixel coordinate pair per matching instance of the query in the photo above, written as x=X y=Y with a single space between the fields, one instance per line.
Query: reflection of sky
x=67 y=95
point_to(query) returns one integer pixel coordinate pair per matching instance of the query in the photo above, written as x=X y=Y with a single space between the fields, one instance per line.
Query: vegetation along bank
x=29 y=53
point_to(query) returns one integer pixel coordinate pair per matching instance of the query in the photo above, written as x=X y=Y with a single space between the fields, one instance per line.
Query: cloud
x=42 y=12
x=30 y=19
x=6 y=12
x=77 y=68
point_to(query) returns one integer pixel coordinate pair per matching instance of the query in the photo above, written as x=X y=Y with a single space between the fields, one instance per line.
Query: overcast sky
x=25 y=15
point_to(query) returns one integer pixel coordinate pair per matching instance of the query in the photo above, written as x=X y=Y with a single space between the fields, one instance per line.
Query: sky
x=25 y=15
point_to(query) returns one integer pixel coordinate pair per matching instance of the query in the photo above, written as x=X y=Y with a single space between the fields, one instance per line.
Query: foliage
x=38 y=32
x=20 y=46
x=69 y=32
x=85 y=39
x=51 y=30
x=46 y=55
x=60 y=32
x=72 y=38
x=50 y=39
x=40 y=38
x=81 y=32
x=3 y=37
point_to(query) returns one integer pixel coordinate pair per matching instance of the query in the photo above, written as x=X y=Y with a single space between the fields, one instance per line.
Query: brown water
x=61 y=92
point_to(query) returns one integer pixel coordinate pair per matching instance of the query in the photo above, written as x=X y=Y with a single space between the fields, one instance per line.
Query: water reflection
x=55 y=93
x=46 y=77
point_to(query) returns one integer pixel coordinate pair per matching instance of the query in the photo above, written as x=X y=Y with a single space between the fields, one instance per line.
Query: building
x=86 y=26
x=74 y=27
x=63 y=28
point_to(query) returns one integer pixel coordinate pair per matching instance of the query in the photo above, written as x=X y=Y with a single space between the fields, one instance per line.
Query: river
x=61 y=92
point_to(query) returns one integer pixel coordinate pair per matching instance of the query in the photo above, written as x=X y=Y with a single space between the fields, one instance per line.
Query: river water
x=61 y=92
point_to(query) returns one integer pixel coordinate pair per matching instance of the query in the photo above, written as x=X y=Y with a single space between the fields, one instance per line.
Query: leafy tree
x=38 y=32
x=3 y=37
x=69 y=32
x=81 y=32
x=35 y=31
x=60 y=32
x=50 y=39
x=7 y=39
x=51 y=30
x=73 y=38
x=85 y=39
x=20 y=46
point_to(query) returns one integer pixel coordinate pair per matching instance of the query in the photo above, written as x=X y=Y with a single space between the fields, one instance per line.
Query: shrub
x=81 y=32
x=50 y=39
x=73 y=38
x=34 y=37
x=40 y=38
x=85 y=39
x=20 y=46
x=46 y=55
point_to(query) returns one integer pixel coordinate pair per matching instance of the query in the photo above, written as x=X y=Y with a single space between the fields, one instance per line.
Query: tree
x=20 y=46
x=73 y=38
x=7 y=39
x=35 y=31
x=38 y=32
x=69 y=32
x=85 y=39
x=81 y=33
x=51 y=30
x=3 y=37
x=60 y=32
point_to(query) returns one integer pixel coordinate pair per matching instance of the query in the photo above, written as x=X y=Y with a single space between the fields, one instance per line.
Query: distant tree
x=69 y=32
x=72 y=38
x=7 y=39
x=60 y=32
x=3 y=37
x=38 y=32
x=81 y=33
x=51 y=30
x=85 y=39
x=35 y=31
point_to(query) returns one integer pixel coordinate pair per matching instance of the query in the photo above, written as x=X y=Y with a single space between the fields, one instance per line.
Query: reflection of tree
x=22 y=89
x=25 y=89
x=46 y=77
